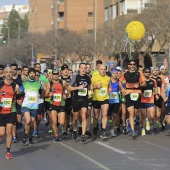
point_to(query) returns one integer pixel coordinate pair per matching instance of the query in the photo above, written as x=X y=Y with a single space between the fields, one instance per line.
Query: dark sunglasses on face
x=37 y=75
x=1 y=69
x=147 y=71
x=55 y=73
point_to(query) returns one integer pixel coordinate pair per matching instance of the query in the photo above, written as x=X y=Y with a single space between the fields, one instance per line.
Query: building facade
x=77 y=15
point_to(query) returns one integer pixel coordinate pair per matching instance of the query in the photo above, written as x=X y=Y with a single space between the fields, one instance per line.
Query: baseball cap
x=111 y=64
x=55 y=71
x=114 y=70
x=163 y=67
x=154 y=68
x=64 y=66
x=119 y=68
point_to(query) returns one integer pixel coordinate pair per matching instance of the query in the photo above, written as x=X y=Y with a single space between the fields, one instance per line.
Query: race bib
x=6 y=102
x=134 y=96
x=114 y=95
x=102 y=92
x=147 y=93
x=57 y=97
x=32 y=99
x=82 y=92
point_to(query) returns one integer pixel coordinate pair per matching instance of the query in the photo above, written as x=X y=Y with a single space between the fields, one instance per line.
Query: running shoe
x=88 y=133
x=50 y=131
x=118 y=128
x=103 y=135
x=128 y=125
x=124 y=131
x=148 y=127
x=31 y=141
x=56 y=140
x=8 y=155
x=143 y=133
x=83 y=139
x=34 y=134
x=134 y=135
x=65 y=135
x=164 y=121
x=14 y=140
x=112 y=132
x=95 y=134
x=110 y=121
x=159 y=125
x=75 y=135
x=25 y=141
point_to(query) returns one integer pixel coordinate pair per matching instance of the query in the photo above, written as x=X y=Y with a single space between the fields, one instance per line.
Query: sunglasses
x=1 y=69
x=132 y=64
x=147 y=72
x=14 y=69
x=37 y=75
x=55 y=73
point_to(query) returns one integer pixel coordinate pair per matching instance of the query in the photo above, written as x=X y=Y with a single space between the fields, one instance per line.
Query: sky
x=17 y=2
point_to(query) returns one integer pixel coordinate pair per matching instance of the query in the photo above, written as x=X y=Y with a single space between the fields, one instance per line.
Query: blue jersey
x=168 y=95
x=114 y=96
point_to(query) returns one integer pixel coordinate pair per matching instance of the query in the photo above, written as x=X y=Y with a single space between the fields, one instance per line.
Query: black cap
x=99 y=62
x=64 y=66
x=31 y=70
x=55 y=71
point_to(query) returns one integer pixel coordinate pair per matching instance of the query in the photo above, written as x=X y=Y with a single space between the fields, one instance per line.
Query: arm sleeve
x=73 y=80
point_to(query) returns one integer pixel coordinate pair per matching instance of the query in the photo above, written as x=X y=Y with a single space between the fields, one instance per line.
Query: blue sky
x=17 y=2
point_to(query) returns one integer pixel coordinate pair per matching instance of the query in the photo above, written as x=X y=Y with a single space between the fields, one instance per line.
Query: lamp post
x=19 y=38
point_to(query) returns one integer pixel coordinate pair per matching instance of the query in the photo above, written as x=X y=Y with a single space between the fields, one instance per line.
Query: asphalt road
x=151 y=152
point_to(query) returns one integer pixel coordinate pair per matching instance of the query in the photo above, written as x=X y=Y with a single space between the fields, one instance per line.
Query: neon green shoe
x=159 y=125
x=148 y=127
x=50 y=131
x=143 y=132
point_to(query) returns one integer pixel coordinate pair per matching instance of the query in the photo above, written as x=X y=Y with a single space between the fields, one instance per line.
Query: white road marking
x=85 y=156
x=112 y=148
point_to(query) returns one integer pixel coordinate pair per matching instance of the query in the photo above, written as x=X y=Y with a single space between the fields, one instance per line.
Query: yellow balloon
x=136 y=30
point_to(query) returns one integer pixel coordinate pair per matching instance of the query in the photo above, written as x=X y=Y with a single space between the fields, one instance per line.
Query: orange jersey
x=131 y=79
x=148 y=91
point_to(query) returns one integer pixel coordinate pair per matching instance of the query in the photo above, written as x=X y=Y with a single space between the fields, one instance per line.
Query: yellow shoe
x=92 y=120
x=148 y=127
x=143 y=133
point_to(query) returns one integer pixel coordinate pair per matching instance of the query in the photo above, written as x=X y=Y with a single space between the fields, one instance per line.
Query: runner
x=134 y=80
x=55 y=89
x=32 y=89
x=147 y=101
x=90 y=95
x=161 y=83
x=114 y=102
x=100 y=84
x=80 y=99
x=110 y=67
x=163 y=73
x=96 y=72
x=67 y=78
x=9 y=91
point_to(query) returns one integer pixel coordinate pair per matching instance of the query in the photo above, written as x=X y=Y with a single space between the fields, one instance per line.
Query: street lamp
x=19 y=38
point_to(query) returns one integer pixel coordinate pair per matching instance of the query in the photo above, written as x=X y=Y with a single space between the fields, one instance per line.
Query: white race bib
x=6 y=102
x=103 y=92
x=134 y=96
x=32 y=99
x=82 y=92
x=147 y=93
x=114 y=95
x=57 y=97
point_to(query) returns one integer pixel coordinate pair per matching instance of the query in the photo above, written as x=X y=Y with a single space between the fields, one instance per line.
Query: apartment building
x=114 y=8
x=77 y=15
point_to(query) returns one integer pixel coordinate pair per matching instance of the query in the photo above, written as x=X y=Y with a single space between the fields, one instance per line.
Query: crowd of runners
x=77 y=101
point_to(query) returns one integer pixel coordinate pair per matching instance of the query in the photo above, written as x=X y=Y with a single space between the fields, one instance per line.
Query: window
x=112 y=12
x=106 y=14
x=90 y=14
x=122 y=7
x=61 y=16
x=90 y=31
x=61 y=1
